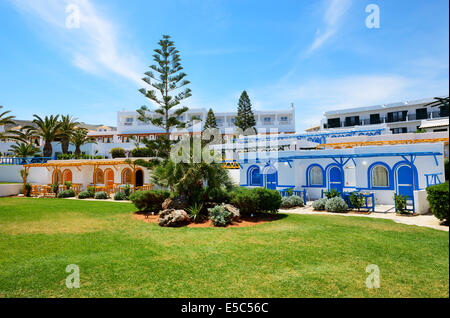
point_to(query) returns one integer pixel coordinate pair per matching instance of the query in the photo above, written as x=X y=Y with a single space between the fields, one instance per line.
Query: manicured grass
x=297 y=256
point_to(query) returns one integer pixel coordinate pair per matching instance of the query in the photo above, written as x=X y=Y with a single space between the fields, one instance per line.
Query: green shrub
x=127 y=191
x=68 y=185
x=336 y=204
x=219 y=195
x=55 y=188
x=140 y=153
x=219 y=215
x=291 y=202
x=27 y=189
x=102 y=195
x=357 y=200
x=118 y=153
x=333 y=193
x=400 y=204
x=195 y=212
x=256 y=200
x=66 y=194
x=319 y=205
x=268 y=200
x=149 y=201
x=438 y=196
x=84 y=195
x=246 y=200
x=119 y=196
x=91 y=191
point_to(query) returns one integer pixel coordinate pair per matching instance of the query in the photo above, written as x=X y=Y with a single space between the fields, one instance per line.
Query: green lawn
x=297 y=256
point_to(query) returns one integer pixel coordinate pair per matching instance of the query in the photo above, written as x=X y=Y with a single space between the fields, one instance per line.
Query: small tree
x=210 y=120
x=245 y=118
x=169 y=79
x=79 y=138
x=118 y=153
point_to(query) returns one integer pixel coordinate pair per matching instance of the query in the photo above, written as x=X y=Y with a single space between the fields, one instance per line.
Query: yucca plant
x=24 y=150
x=195 y=212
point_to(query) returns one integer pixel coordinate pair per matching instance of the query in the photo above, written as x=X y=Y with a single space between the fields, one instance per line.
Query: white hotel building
x=403 y=117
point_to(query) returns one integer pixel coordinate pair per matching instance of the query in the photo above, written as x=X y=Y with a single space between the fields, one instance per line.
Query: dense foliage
x=256 y=200
x=118 y=153
x=66 y=194
x=438 y=197
x=101 y=195
x=149 y=201
x=84 y=195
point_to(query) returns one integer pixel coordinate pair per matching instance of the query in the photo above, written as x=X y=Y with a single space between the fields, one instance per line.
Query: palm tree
x=48 y=129
x=68 y=126
x=23 y=150
x=5 y=120
x=79 y=138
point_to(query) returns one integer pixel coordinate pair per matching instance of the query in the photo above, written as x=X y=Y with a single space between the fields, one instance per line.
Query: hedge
x=256 y=200
x=149 y=201
x=438 y=198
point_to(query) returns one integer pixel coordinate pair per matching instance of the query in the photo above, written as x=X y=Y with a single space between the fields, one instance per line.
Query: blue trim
x=308 y=181
x=370 y=176
x=264 y=174
x=434 y=178
x=328 y=169
x=415 y=174
x=20 y=161
x=368 y=155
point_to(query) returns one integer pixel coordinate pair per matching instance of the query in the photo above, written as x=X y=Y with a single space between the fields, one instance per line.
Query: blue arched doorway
x=270 y=178
x=335 y=178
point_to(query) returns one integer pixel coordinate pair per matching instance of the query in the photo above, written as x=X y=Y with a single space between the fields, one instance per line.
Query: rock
x=173 y=218
x=234 y=211
x=177 y=203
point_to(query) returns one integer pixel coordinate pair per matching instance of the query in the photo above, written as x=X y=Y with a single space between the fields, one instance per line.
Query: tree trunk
x=48 y=150
x=65 y=145
x=77 y=150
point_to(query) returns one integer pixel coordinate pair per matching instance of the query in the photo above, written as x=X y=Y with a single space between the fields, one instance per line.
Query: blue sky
x=318 y=54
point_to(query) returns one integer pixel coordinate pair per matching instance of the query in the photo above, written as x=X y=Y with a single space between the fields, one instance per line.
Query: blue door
x=405 y=181
x=271 y=178
x=335 y=179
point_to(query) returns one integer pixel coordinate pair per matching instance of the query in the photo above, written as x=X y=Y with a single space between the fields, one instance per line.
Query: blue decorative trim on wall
x=249 y=177
x=308 y=181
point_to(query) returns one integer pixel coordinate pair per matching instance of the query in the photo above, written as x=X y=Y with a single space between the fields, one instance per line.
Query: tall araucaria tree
x=210 y=121
x=48 y=129
x=67 y=129
x=168 y=88
x=245 y=118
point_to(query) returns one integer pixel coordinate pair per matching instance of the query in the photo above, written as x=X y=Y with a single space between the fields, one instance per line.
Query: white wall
x=7 y=190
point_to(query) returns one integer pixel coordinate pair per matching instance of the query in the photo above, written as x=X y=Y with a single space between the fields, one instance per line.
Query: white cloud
x=333 y=15
x=94 y=47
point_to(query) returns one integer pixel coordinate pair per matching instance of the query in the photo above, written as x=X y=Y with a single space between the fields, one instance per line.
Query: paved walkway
x=382 y=212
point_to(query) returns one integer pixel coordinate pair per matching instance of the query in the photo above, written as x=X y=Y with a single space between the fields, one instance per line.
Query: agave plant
x=48 y=129
x=195 y=212
x=21 y=149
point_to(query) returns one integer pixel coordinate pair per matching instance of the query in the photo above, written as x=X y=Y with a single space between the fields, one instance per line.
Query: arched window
x=127 y=176
x=315 y=176
x=109 y=177
x=99 y=176
x=67 y=176
x=254 y=177
x=380 y=176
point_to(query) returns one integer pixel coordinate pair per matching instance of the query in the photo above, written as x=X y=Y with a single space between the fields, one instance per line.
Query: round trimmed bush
x=66 y=194
x=102 y=195
x=438 y=197
x=84 y=195
x=319 y=205
x=291 y=202
x=336 y=204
